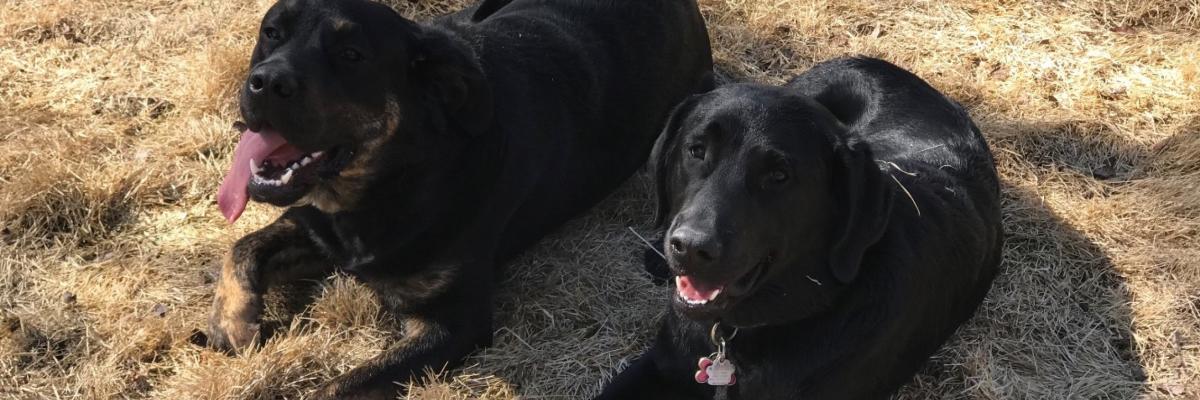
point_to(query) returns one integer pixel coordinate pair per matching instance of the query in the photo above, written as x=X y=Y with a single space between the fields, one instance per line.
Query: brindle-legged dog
x=419 y=157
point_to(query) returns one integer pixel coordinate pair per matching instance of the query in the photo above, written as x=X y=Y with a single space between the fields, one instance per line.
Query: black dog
x=832 y=233
x=419 y=157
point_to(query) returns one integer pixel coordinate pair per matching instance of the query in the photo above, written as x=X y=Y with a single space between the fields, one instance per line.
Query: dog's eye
x=697 y=151
x=778 y=176
x=271 y=33
x=351 y=55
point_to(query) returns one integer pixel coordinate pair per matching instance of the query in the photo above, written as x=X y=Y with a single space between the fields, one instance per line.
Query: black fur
x=506 y=119
x=802 y=201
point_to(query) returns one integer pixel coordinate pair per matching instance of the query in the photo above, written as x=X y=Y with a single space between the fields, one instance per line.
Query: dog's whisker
x=814 y=280
x=647 y=243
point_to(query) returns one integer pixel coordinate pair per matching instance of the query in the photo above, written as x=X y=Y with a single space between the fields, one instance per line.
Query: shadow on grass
x=1056 y=323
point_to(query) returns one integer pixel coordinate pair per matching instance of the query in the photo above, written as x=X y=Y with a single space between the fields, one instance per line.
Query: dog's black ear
x=663 y=155
x=453 y=79
x=865 y=198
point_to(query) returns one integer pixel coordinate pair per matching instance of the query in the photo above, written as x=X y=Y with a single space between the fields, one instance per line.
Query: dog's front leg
x=646 y=379
x=638 y=380
x=280 y=252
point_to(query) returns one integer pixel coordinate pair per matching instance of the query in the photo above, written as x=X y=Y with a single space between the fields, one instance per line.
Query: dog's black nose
x=693 y=247
x=273 y=81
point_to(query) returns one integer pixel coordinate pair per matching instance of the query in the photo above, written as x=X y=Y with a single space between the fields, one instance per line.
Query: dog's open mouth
x=700 y=297
x=268 y=168
x=696 y=293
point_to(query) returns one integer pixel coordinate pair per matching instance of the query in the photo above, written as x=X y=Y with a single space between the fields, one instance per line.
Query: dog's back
x=617 y=67
x=942 y=248
x=900 y=117
x=593 y=79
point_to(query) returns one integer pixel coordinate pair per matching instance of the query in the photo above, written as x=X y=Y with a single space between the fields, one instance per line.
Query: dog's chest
x=765 y=366
x=347 y=247
x=753 y=381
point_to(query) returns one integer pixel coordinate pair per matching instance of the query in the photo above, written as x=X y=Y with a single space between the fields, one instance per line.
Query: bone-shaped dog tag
x=716 y=372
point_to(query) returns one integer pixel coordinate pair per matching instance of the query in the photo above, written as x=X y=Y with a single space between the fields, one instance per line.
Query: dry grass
x=114 y=131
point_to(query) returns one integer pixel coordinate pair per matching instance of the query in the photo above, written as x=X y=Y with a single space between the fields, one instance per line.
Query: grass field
x=115 y=123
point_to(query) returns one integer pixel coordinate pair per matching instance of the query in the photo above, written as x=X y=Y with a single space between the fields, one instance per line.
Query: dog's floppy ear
x=453 y=79
x=865 y=198
x=662 y=156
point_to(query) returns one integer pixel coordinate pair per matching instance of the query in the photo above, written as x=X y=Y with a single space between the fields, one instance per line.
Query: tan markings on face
x=343 y=192
x=234 y=306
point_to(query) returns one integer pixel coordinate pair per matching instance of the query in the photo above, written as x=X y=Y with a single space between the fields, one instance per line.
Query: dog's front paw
x=231 y=335
x=234 y=322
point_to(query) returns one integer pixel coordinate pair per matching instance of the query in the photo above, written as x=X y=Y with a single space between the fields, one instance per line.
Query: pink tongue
x=258 y=146
x=694 y=290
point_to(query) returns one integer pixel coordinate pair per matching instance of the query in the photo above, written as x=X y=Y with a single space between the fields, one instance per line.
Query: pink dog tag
x=716 y=371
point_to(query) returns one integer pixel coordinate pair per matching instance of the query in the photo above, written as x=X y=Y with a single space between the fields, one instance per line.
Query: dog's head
x=765 y=204
x=330 y=84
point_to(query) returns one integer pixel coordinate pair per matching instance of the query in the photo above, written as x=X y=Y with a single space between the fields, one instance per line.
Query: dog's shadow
x=1057 y=320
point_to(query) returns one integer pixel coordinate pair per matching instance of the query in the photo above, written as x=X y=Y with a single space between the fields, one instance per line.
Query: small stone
x=1173 y=389
x=198 y=338
x=1122 y=29
x=10 y=324
x=1113 y=93
x=1001 y=73
x=1104 y=173
x=69 y=297
x=141 y=384
x=159 y=310
x=207 y=277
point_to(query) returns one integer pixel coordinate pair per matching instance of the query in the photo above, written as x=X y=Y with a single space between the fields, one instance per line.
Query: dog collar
x=716 y=369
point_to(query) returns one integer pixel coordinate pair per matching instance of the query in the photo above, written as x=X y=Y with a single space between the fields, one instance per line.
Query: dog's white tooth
x=254 y=166
x=317 y=154
x=305 y=161
x=287 y=177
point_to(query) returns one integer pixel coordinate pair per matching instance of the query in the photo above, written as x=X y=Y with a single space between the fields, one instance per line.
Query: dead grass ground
x=114 y=129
